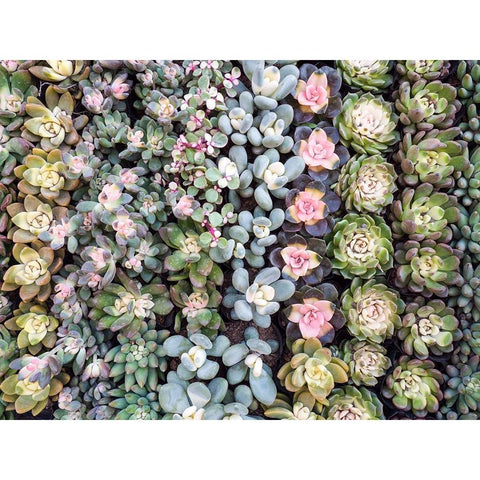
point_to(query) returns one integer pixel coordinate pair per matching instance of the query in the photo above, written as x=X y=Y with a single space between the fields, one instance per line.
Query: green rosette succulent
x=462 y=389
x=427 y=268
x=423 y=105
x=372 y=310
x=367 y=75
x=139 y=360
x=466 y=231
x=468 y=72
x=366 y=184
x=52 y=124
x=465 y=297
x=300 y=409
x=37 y=329
x=360 y=246
x=313 y=370
x=414 y=70
x=124 y=306
x=367 y=124
x=138 y=404
x=414 y=385
x=421 y=213
x=32 y=274
x=8 y=349
x=63 y=73
x=428 y=328
x=367 y=361
x=467 y=187
x=351 y=403
x=434 y=157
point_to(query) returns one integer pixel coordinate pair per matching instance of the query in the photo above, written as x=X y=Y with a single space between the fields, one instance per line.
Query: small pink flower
x=298 y=261
x=318 y=151
x=313 y=317
x=308 y=207
x=313 y=95
x=192 y=66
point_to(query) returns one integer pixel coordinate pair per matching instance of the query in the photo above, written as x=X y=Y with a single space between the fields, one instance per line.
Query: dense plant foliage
x=239 y=239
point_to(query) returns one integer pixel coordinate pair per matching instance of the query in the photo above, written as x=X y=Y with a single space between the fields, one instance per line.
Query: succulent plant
x=428 y=328
x=468 y=72
x=61 y=72
x=32 y=274
x=317 y=92
x=321 y=151
x=462 y=386
x=139 y=360
x=37 y=329
x=312 y=370
x=427 y=268
x=415 y=70
x=372 y=310
x=8 y=349
x=467 y=187
x=366 y=184
x=360 y=246
x=367 y=361
x=433 y=157
x=470 y=126
x=367 y=75
x=138 y=404
x=421 y=213
x=367 y=124
x=302 y=259
x=466 y=231
x=465 y=296
x=312 y=313
x=283 y=409
x=257 y=300
x=426 y=105
x=414 y=385
x=123 y=306
x=351 y=403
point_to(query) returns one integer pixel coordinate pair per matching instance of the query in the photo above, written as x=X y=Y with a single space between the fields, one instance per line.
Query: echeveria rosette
x=372 y=310
x=32 y=274
x=351 y=403
x=427 y=268
x=317 y=93
x=312 y=313
x=434 y=157
x=428 y=328
x=45 y=174
x=415 y=70
x=308 y=206
x=139 y=360
x=422 y=212
x=321 y=151
x=36 y=328
x=367 y=361
x=312 y=370
x=462 y=386
x=414 y=385
x=367 y=184
x=424 y=106
x=301 y=408
x=302 y=259
x=367 y=124
x=367 y=75
x=360 y=246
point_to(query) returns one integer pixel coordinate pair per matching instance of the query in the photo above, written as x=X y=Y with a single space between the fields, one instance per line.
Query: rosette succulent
x=360 y=246
x=367 y=124
x=350 y=403
x=467 y=188
x=284 y=409
x=428 y=268
x=312 y=370
x=428 y=328
x=312 y=313
x=367 y=361
x=367 y=184
x=424 y=213
x=415 y=70
x=368 y=75
x=414 y=385
x=372 y=310
x=138 y=404
x=423 y=105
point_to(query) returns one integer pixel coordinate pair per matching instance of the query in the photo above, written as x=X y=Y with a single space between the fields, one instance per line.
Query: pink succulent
x=185 y=206
x=63 y=290
x=124 y=226
x=313 y=317
x=196 y=301
x=110 y=195
x=59 y=230
x=298 y=261
x=128 y=177
x=318 y=151
x=308 y=207
x=77 y=164
x=98 y=256
x=313 y=94
x=93 y=100
x=120 y=89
